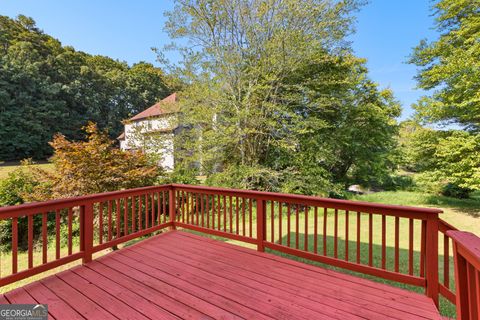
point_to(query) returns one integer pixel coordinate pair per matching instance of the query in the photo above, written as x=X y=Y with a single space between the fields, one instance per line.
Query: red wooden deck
x=181 y=275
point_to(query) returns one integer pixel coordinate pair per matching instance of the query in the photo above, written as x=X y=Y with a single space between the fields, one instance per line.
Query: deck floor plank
x=353 y=304
x=339 y=289
x=180 y=275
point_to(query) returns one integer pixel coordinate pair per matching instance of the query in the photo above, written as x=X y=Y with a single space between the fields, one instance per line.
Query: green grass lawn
x=7 y=167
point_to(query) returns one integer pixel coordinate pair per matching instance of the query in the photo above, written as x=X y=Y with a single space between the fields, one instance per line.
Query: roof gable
x=160 y=108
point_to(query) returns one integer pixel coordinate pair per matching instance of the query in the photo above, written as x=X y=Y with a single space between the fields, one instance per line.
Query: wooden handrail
x=466 y=249
x=266 y=219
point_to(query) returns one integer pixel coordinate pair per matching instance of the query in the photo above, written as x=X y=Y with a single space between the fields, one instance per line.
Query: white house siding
x=152 y=135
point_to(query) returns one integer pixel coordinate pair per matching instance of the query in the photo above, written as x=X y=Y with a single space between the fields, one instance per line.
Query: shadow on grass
x=446 y=308
x=469 y=206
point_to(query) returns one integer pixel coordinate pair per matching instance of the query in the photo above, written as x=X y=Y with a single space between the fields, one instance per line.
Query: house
x=153 y=131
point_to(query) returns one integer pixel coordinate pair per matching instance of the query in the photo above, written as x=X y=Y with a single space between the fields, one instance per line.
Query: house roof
x=121 y=136
x=160 y=108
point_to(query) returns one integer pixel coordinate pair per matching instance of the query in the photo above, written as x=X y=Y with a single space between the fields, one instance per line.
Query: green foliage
x=451 y=66
x=12 y=192
x=454 y=191
x=46 y=88
x=271 y=98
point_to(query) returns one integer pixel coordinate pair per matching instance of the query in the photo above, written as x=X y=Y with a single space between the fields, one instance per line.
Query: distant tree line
x=47 y=88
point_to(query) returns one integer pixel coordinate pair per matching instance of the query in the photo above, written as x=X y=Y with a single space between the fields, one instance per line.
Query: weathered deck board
x=181 y=275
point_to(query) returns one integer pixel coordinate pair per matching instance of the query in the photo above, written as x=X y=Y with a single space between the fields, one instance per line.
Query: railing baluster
x=57 y=234
x=100 y=223
x=315 y=230
x=325 y=217
x=243 y=216
x=225 y=215
x=14 y=245
x=219 y=212
x=231 y=213
x=207 y=202
x=422 y=248
x=30 y=241
x=370 y=239
x=305 y=242
x=272 y=222
x=346 y=233
x=117 y=211
x=250 y=217
x=164 y=203
x=140 y=205
x=410 y=246
x=397 y=242
x=280 y=222
x=288 y=224
x=335 y=236
x=384 y=241
x=237 y=217
x=297 y=226
x=134 y=204
x=159 y=208
x=153 y=210
x=125 y=215
x=359 y=221
x=446 y=261
x=45 y=240
x=109 y=231
x=146 y=212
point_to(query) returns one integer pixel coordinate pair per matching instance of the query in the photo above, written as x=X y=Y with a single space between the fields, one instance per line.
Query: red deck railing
x=358 y=236
x=467 y=272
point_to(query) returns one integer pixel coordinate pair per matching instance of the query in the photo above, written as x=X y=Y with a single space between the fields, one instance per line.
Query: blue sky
x=387 y=30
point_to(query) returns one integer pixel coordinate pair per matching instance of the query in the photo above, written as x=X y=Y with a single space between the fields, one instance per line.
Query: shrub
x=455 y=191
x=12 y=192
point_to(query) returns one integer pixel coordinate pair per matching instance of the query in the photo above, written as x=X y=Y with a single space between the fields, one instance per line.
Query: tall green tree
x=46 y=88
x=450 y=68
x=274 y=85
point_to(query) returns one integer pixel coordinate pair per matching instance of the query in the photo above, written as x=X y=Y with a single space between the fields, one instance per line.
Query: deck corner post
x=86 y=224
x=260 y=225
x=431 y=258
x=172 y=207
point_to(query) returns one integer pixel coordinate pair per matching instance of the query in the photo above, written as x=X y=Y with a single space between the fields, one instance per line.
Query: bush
x=455 y=191
x=12 y=192
x=246 y=177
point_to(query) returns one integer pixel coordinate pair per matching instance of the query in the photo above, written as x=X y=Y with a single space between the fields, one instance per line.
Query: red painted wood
x=45 y=239
x=225 y=261
x=335 y=234
x=56 y=306
x=297 y=226
x=384 y=242
x=57 y=234
x=446 y=261
x=288 y=224
x=110 y=221
x=117 y=216
x=30 y=242
x=397 y=244
x=431 y=259
x=315 y=231
x=272 y=221
x=358 y=236
x=325 y=216
x=14 y=245
x=261 y=224
x=100 y=222
x=243 y=217
x=125 y=215
x=280 y=222
x=88 y=233
x=370 y=239
x=410 y=246
x=237 y=216
x=230 y=208
x=347 y=222
x=299 y=269
x=306 y=230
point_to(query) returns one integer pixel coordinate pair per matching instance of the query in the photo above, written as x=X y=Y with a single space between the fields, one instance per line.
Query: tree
x=451 y=66
x=273 y=85
x=46 y=88
x=91 y=166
